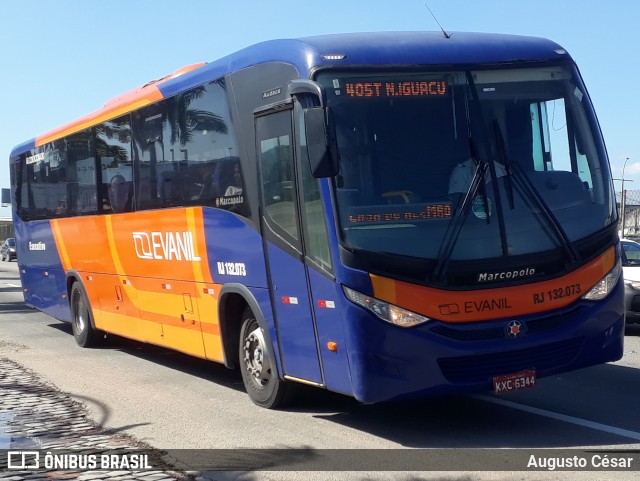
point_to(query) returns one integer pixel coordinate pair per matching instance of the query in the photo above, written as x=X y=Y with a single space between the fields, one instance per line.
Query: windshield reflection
x=467 y=165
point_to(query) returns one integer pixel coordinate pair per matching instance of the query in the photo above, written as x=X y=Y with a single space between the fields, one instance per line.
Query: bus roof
x=337 y=50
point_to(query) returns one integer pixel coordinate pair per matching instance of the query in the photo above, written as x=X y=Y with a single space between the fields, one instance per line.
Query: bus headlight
x=605 y=285
x=385 y=311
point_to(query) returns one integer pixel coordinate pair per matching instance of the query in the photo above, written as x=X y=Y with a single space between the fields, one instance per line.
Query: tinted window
x=276 y=165
x=316 y=238
x=410 y=144
x=113 y=145
x=187 y=152
x=59 y=179
x=631 y=252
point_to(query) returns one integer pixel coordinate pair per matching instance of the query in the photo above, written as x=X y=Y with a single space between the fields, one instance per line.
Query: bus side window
x=113 y=145
x=316 y=237
x=276 y=159
x=278 y=183
x=120 y=194
x=202 y=186
x=226 y=179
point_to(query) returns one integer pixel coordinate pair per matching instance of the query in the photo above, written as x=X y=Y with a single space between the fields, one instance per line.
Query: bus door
x=288 y=276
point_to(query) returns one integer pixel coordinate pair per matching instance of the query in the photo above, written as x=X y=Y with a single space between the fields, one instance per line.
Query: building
x=6 y=228
x=631 y=213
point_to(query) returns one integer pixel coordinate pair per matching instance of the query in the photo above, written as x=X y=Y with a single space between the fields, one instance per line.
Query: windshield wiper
x=486 y=153
x=459 y=218
x=486 y=162
x=528 y=191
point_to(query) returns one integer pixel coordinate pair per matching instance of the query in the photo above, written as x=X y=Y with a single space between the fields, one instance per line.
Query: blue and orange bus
x=387 y=216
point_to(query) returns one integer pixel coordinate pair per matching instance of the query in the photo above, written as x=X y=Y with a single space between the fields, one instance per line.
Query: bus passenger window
x=226 y=185
x=120 y=194
x=204 y=187
x=235 y=183
x=114 y=149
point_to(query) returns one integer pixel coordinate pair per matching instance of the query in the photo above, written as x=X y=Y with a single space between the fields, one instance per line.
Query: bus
x=384 y=215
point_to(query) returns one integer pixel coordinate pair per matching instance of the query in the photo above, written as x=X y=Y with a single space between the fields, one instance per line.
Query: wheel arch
x=72 y=278
x=234 y=298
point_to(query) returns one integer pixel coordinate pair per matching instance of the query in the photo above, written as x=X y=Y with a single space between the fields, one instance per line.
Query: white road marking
x=11 y=285
x=561 y=417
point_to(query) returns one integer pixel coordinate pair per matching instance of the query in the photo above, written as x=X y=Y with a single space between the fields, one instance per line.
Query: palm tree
x=184 y=121
x=118 y=130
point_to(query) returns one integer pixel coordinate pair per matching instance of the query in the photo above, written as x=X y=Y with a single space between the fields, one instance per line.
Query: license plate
x=514 y=382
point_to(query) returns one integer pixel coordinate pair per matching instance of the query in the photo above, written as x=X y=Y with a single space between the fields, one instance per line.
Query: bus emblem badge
x=514 y=329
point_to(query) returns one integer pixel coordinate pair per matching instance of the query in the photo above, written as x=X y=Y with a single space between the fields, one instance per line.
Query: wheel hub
x=255 y=360
x=79 y=318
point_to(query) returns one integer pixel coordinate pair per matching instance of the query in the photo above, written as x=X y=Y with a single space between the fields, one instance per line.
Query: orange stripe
x=59 y=240
x=195 y=224
x=121 y=105
x=159 y=318
x=138 y=99
x=210 y=328
x=191 y=324
x=156 y=318
x=484 y=304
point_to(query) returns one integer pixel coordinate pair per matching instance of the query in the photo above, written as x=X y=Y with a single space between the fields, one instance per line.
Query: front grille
x=553 y=322
x=478 y=331
x=482 y=368
x=469 y=333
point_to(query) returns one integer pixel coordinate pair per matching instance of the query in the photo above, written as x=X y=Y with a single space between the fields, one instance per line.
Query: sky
x=62 y=59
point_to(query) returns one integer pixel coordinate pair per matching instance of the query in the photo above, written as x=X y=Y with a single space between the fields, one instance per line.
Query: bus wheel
x=259 y=372
x=83 y=331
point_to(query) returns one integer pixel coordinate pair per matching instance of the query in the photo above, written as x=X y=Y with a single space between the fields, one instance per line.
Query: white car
x=631 y=271
x=8 y=250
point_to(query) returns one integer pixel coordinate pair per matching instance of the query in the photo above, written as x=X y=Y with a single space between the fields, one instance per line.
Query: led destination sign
x=393 y=214
x=396 y=89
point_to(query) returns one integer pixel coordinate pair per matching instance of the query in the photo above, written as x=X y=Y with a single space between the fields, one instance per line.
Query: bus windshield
x=467 y=165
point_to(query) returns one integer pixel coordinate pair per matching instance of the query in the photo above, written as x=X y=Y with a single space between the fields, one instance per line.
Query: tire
x=81 y=319
x=258 y=367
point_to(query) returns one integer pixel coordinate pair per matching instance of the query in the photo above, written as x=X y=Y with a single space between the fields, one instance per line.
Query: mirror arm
x=321 y=148
x=301 y=87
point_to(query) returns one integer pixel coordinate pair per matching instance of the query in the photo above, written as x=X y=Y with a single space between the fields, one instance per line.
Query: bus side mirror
x=323 y=159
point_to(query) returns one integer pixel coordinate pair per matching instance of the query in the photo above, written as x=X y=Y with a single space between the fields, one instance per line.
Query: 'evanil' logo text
x=171 y=246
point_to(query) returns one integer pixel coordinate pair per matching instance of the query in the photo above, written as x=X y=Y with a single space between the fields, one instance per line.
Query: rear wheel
x=83 y=331
x=259 y=372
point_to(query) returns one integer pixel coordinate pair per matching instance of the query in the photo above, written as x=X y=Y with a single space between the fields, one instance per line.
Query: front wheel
x=83 y=331
x=259 y=372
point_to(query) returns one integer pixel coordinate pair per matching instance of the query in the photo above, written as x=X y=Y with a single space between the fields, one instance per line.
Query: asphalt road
x=169 y=400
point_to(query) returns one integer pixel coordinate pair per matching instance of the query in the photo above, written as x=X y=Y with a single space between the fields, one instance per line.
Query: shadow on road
x=607 y=395
x=177 y=361
x=13 y=307
x=632 y=330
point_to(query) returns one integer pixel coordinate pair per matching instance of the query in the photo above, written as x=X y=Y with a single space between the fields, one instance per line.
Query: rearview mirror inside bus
x=322 y=163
